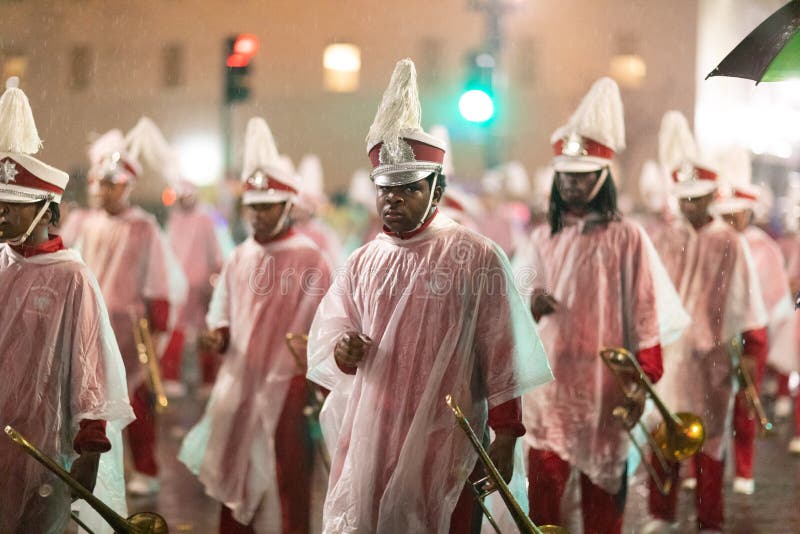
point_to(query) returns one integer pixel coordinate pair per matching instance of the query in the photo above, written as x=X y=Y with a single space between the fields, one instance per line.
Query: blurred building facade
x=90 y=65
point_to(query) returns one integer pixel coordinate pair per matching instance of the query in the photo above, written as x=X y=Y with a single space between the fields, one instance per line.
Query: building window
x=80 y=67
x=342 y=66
x=172 y=60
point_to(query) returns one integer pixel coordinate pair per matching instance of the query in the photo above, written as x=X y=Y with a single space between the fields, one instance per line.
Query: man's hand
x=84 y=470
x=351 y=348
x=543 y=304
x=632 y=408
x=501 y=452
x=211 y=341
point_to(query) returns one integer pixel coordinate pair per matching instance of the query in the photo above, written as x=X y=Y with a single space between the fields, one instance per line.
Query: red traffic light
x=237 y=60
x=246 y=45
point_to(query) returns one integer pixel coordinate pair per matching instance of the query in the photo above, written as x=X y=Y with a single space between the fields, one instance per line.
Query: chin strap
x=600 y=181
x=19 y=240
x=427 y=209
x=282 y=220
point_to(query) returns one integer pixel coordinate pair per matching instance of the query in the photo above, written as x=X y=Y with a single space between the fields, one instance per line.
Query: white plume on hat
x=147 y=144
x=599 y=117
x=362 y=191
x=18 y=133
x=399 y=113
x=260 y=150
x=676 y=145
x=440 y=132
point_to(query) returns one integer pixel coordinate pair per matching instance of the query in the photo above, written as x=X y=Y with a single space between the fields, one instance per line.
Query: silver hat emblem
x=8 y=172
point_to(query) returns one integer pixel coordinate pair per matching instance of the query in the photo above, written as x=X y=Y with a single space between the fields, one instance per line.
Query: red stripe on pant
x=293 y=462
x=547 y=478
x=708 y=495
x=142 y=432
x=173 y=356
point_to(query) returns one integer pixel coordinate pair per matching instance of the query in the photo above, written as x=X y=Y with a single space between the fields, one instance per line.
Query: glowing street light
x=476 y=105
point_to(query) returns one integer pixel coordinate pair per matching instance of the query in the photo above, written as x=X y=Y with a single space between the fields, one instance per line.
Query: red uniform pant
x=173 y=359
x=293 y=461
x=142 y=432
x=547 y=478
x=708 y=495
x=745 y=428
x=784 y=391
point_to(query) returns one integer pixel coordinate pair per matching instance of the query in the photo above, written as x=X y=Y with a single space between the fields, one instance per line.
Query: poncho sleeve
x=510 y=354
x=336 y=314
x=530 y=274
x=219 y=315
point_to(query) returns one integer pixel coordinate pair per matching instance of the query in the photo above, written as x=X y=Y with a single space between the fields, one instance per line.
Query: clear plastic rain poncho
x=60 y=364
x=445 y=318
x=193 y=238
x=790 y=247
x=612 y=291
x=264 y=292
x=715 y=276
x=774 y=283
x=133 y=264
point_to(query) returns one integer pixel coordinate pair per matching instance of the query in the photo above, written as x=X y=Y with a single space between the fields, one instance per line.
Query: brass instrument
x=315 y=399
x=147 y=355
x=521 y=519
x=677 y=437
x=766 y=429
x=141 y=523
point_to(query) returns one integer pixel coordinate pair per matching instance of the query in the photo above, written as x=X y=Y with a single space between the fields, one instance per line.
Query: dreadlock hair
x=55 y=212
x=604 y=203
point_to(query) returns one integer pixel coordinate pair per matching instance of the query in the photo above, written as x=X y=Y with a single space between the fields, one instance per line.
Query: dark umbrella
x=771 y=53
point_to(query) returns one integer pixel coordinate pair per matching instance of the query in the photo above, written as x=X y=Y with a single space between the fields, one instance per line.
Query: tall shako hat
x=593 y=135
x=267 y=177
x=110 y=160
x=23 y=178
x=738 y=193
x=678 y=154
x=399 y=149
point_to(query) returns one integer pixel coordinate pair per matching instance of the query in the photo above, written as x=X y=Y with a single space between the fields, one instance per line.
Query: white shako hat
x=677 y=152
x=23 y=178
x=593 y=134
x=110 y=160
x=401 y=152
x=736 y=192
x=267 y=176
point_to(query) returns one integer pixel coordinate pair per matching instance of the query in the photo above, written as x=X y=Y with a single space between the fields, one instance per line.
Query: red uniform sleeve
x=91 y=437
x=756 y=345
x=651 y=362
x=158 y=314
x=506 y=418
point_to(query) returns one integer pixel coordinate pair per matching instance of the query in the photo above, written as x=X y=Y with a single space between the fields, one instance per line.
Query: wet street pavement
x=773 y=509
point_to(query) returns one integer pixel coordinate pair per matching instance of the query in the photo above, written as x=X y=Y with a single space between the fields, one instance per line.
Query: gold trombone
x=147 y=355
x=140 y=523
x=677 y=437
x=521 y=519
x=315 y=398
x=766 y=429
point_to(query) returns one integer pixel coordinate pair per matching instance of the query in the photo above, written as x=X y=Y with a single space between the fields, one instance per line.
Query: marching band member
x=138 y=275
x=427 y=308
x=63 y=384
x=711 y=266
x=596 y=283
x=252 y=451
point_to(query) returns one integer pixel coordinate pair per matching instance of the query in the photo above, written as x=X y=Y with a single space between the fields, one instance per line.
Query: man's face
x=402 y=207
x=111 y=196
x=575 y=188
x=16 y=218
x=740 y=220
x=264 y=217
x=695 y=209
x=187 y=202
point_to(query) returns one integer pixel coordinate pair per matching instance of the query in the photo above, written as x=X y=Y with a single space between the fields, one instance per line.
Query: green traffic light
x=476 y=105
